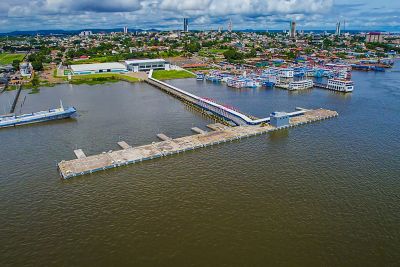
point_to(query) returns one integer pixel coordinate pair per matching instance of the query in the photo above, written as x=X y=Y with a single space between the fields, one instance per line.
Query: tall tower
x=185 y=24
x=344 y=26
x=125 y=30
x=230 y=26
x=338 y=28
x=292 y=32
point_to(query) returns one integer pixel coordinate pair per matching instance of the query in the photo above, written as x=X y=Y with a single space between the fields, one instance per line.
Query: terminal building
x=279 y=119
x=25 y=69
x=113 y=67
x=136 y=65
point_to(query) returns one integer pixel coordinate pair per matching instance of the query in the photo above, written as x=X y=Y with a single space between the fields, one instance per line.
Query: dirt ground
x=48 y=74
x=180 y=61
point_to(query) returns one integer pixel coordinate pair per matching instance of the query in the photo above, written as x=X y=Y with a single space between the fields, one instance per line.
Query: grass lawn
x=211 y=52
x=171 y=74
x=217 y=51
x=7 y=58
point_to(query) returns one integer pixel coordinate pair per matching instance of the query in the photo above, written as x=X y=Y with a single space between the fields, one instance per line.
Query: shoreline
x=94 y=79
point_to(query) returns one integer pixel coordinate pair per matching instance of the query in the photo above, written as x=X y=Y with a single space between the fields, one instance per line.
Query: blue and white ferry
x=35 y=117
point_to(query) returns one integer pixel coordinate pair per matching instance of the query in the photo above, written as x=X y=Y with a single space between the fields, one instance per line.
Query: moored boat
x=340 y=85
x=200 y=76
x=36 y=117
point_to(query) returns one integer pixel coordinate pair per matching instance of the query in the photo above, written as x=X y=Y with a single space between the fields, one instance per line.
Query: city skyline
x=204 y=15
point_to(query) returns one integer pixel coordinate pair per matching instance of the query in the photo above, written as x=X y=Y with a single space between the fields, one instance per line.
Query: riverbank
x=93 y=79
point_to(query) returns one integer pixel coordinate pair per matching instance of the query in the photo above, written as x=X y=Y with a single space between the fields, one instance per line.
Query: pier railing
x=235 y=116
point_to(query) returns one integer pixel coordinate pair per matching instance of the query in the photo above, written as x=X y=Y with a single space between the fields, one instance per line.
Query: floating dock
x=221 y=134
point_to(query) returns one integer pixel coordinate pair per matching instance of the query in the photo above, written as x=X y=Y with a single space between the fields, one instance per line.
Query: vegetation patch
x=172 y=74
x=93 y=79
x=34 y=90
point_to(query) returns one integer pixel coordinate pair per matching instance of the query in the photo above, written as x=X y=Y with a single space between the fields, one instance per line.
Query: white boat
x=303 y=84
x=340 y=85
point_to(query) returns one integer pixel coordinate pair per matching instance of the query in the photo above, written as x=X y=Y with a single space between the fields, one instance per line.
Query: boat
x=250 y=83
x=200 y=76
x=236 y=83
x=36 y=117
x=340 y=85
x=268 y=84
x=378 y=68
x=302 y=84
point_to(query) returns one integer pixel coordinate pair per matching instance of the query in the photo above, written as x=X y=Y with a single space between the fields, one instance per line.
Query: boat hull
x=58 y=116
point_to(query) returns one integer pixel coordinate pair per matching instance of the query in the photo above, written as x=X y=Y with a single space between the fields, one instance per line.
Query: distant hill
x=68 y=32
x=71 y=32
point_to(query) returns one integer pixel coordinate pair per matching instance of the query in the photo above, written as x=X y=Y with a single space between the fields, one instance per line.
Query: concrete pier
x=163 y=137
x=124 y=145
x=79 y=153
x=221 y=134
x=217 y=127
x=198 y=130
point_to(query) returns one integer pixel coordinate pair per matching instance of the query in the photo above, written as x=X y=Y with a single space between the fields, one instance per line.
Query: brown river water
x=324 y=194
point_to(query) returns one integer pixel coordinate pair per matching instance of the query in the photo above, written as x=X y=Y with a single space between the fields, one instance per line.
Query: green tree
x=35 y=81
x=327 y=43
x=193 y=47
x=290 y=55
x=232 y=55
x=37 y=65
x=16 y=63
x=252 y=53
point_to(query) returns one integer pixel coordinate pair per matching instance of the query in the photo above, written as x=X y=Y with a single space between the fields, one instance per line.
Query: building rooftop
x=279 y=114
x=96 y=66
x=138 y=61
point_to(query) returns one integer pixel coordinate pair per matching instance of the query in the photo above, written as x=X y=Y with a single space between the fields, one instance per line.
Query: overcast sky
x=202 y=14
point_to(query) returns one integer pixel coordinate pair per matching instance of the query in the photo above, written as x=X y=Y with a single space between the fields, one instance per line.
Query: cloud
x=247 y=7
x=203 y=14
x=41 y=7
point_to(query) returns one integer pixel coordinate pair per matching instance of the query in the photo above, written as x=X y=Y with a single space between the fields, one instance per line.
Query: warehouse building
x=112 y=67
x=136 y=65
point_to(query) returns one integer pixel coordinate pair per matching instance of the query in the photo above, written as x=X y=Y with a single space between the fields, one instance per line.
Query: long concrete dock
x=220 y=134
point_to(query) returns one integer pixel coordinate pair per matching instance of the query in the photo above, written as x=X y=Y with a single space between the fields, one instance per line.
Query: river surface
x=323 y=194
